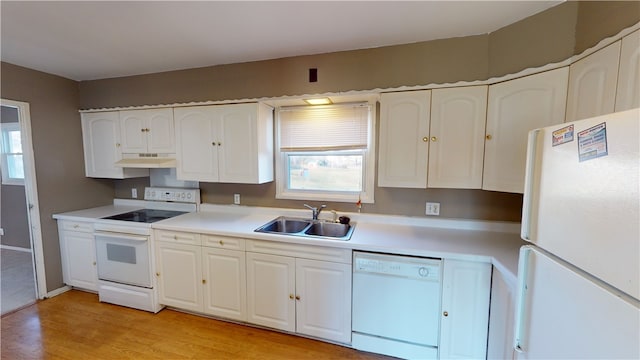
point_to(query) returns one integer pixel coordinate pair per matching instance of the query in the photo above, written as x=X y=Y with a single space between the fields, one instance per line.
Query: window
x=326 y=152
x=12 y=162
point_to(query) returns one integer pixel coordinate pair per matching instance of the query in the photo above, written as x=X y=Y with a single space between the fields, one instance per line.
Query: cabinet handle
x=157 y=274
x=147 y=129
x=297 y=297
x=291 y=296
x=221 y=243
x=213 y=143
x=175 y=237
x=75 y=226
x=434 y=139
x=94 y=263
x=204 y=281
x=117 y=144
x=142 y=130
x=425 y=139
x=446 y=313
x=219 y=144
x=489 y=137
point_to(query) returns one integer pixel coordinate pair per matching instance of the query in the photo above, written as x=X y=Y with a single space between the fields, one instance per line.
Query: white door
x=592 y=84
x=79 y=259
x=237 y=143
x=271 y=291
x=179 y=274
x=160 y=131
x=323 y=299
x=225 y=280
x=628 y=92
x=101 y=136
x=465 y=309
x=404 y=136
x=196 y=143
x=515 y=107
x=564 y=314
x=587 y=212
x=133 y=131
x=456 y=150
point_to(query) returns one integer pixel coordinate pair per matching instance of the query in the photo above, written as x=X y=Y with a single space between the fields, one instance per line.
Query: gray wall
x=13 y=206
x=57 y=145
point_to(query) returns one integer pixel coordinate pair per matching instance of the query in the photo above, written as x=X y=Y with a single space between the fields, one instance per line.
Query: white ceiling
x=85 y=40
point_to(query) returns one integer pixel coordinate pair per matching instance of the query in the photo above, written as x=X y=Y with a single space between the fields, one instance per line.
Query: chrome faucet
x=316 y=211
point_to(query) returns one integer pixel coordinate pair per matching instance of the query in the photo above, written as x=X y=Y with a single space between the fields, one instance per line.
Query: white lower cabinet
x=502 y=317
x=465 y=309
x=198 y=274
x=78 y=253
x=300 y=295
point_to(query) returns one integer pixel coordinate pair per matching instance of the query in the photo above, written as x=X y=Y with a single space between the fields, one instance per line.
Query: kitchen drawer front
x=178 y=237
x=79 y=226
x=223 y=242
x=300 y=251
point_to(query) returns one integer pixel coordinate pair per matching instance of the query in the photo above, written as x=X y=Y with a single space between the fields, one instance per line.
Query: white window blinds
x=331 y=127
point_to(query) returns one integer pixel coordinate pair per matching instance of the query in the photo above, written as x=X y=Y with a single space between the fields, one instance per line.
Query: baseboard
x=58 y=291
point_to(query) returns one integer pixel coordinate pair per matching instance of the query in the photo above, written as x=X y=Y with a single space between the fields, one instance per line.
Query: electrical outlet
x=134 y=193
x=236 y=199
x=432 y=208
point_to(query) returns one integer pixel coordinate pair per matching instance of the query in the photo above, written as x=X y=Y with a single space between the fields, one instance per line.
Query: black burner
x=145 y=215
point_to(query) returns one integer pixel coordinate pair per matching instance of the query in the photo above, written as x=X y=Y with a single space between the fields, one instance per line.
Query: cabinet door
x=133 y=131
x=179 y=273
x=516 y=107
x=465 y=309
x=224 y=277
x=501 y=320
x=238 y=148
x=160 y=132
x=323 y=300
x=628 y=93
x=78 y=253
x=592 y=84
x=457 y=132
x=270 y=291
x=196 y=146
x=101 y=140
x=404 y=136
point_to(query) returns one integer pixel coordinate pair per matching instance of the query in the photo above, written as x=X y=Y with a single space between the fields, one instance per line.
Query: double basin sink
x=307 y=228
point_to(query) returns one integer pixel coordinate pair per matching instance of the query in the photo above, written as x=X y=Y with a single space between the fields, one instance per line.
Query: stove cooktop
x=145 y=215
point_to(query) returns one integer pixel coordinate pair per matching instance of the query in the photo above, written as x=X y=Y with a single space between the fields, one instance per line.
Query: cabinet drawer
x=300 y=251
x=76 y=226
x=177 y=237
x=223 y=242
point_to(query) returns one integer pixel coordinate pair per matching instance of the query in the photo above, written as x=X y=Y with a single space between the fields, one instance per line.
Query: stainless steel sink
x=307 y=228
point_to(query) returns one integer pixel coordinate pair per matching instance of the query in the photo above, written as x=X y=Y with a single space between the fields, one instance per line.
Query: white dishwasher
x=396 y=305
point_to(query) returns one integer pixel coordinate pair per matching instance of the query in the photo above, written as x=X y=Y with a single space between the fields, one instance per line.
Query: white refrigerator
x=579 y=278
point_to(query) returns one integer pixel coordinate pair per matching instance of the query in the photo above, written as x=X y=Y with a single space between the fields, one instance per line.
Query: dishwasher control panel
x=399 y=266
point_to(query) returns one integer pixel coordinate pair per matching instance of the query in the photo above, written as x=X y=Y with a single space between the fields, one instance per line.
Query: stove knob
x=423 y=272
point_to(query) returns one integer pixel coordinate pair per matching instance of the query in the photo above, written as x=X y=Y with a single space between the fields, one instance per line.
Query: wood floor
x=75 y=325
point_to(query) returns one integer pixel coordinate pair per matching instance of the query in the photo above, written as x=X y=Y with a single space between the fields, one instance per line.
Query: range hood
x=147 y=161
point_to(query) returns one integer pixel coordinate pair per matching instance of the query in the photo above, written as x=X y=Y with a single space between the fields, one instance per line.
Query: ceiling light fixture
x=318 y=101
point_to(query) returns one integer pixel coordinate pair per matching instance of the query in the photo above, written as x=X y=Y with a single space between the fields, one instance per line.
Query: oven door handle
x=118 y=236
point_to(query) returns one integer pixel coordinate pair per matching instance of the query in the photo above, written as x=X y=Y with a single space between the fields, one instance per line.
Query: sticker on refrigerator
x=562 y=136
x=592 y=142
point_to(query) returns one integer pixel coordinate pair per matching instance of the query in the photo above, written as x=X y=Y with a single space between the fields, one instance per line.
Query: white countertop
x=492 y=242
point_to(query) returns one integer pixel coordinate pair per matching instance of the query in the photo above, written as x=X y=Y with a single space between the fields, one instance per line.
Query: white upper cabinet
x=592 y=84
x=404 y=136
x=225 y=143
x=456 y=148
x=102 y=147
x=514 y=108
x=147 y=131
x=628 y=93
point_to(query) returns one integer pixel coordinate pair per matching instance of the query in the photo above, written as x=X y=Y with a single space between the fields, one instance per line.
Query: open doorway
x=22 y=270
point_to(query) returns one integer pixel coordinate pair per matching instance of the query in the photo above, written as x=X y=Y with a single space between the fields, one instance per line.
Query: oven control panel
x=172 y=194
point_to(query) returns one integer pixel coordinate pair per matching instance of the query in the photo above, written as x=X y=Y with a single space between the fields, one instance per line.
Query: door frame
x=31 y=194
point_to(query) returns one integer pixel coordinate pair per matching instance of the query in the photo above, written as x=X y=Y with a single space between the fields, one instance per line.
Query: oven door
x=123 y=258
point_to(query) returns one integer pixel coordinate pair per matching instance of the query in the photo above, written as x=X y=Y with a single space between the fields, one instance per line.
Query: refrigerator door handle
x=521 y=303
x=530 y=186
